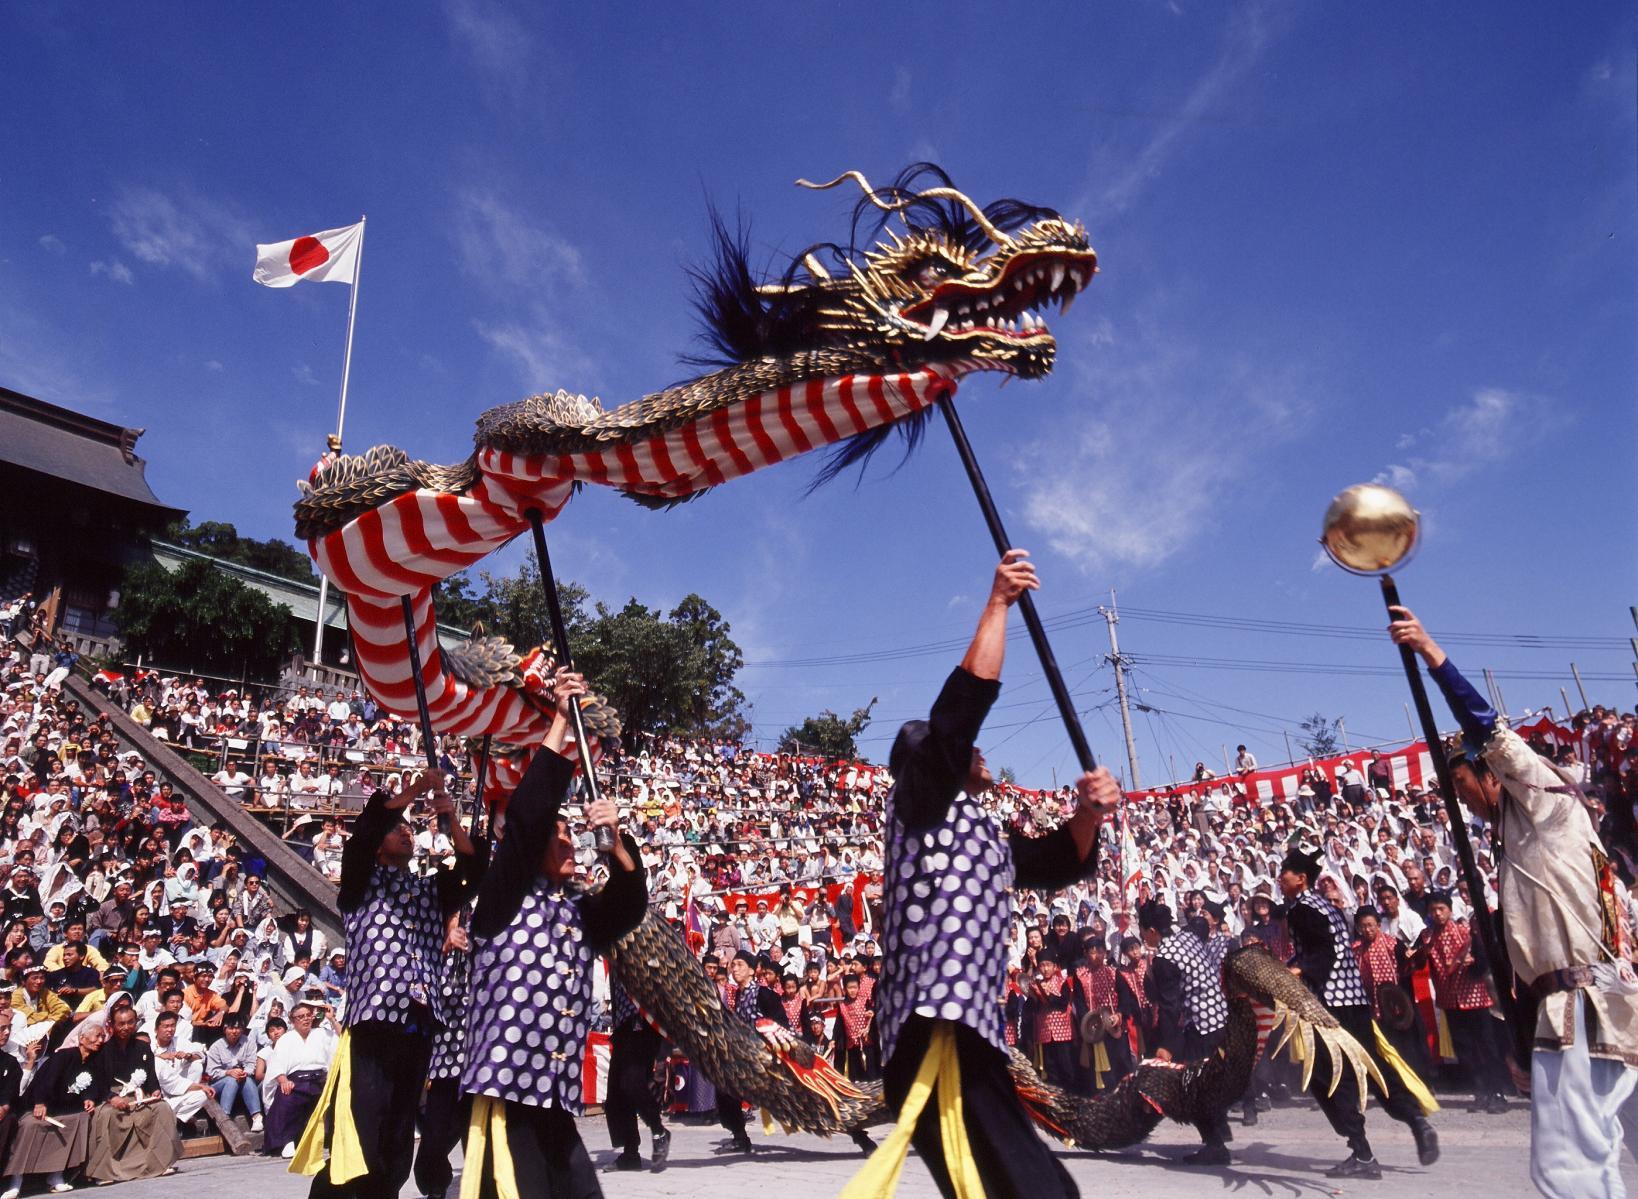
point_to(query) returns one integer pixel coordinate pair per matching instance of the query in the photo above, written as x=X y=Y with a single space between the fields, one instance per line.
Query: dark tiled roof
x=73 y=447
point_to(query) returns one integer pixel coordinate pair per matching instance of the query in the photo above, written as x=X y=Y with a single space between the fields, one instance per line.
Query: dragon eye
x=931 y=272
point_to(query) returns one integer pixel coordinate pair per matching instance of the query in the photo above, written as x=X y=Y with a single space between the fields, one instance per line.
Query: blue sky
x=1338 y=242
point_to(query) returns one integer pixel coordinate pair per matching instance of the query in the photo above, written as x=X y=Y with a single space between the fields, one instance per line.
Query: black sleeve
x=771 y=1007
x=11 y=1080
x=459 y=882
x=619 y=906
x=1126 y=997
x=358 y=855
x=1311 y=938
x=530 y=815
x=1051 y=862
x=1165 y=986
x=941 y=751
x=44 y=1087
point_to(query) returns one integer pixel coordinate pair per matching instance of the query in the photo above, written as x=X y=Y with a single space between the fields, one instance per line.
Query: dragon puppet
x=1269 y=1009
x=838 y=351
x=841 y=349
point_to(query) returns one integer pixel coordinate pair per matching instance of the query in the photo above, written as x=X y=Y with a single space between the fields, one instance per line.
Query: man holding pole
x=1564 y=930
x=949 y=869
x=395 y=933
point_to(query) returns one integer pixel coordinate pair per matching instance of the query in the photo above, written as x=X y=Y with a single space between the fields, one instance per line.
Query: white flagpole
x=341 y=420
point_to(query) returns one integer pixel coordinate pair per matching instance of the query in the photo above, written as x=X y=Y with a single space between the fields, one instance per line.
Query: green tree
x=458 y=605
x=1320 y=737
x=220 y=539
x=197 y=618
x=514 y=607
x=828 y=734
x=665 y=674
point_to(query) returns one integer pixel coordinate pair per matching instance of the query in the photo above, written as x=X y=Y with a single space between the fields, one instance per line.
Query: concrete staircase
x=291 y=879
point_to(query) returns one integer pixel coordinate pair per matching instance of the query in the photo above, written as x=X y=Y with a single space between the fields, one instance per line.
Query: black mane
x=742 y=324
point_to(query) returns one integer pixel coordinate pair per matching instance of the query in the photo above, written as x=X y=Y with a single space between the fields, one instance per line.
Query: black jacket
x=931 y=761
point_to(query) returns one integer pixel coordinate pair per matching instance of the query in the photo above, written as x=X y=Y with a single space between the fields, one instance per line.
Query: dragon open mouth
x=1005 y=307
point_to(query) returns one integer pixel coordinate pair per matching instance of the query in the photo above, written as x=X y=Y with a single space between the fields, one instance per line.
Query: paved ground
x=1485 y=1157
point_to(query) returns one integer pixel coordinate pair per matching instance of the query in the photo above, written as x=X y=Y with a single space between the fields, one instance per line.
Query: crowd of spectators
x=131 y=927
x=777 y=855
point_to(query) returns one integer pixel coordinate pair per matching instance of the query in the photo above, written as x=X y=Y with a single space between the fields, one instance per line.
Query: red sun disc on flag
x=307 y=253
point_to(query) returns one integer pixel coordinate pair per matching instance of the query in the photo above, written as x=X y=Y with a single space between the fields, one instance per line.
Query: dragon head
x=955 y=284
x=961 y=284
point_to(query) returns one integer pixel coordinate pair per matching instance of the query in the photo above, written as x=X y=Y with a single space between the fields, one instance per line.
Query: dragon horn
x=864 y=186
x=932 y=193
x=966 y=201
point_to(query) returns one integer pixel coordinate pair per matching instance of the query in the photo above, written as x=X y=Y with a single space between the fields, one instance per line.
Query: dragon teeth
x=1058 y=270
x=941 y=317
x=1069 y=298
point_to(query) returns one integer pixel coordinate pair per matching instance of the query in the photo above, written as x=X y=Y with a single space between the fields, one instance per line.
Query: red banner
x=1411 y=766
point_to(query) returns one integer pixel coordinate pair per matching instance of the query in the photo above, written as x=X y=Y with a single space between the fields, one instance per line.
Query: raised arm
x=933 y=759
x=376 y=820
x=531 y=815
x=1070 y=852
x=1472 y=711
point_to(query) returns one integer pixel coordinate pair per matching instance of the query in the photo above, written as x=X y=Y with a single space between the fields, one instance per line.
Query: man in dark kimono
x=444 y=1109
x=633 y=1047
x=536 y=936
x=131 y=1136
x=1326 y=963
x=752 y=1002
x=1190 y=1011
x=395 y=932
x=949 y=871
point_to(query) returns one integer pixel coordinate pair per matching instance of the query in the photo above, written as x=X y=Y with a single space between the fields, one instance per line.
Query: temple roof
x=76 y=448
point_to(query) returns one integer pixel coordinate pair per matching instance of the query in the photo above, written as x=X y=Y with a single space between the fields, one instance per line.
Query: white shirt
x=232 y=785
x=293 y=1053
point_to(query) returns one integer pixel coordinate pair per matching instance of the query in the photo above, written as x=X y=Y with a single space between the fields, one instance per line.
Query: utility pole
x=1634 y=640
x=1410 y=722
x=1112 y=618
x=1579 y=687
x=1342 y=728
x=1565 y=696
x=1290 y=757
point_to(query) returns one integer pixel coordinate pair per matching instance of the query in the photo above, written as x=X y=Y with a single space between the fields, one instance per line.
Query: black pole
x=1026 y=602
x=477 y=788
x=560 y=637
x=427 y=737
x=1485 y=918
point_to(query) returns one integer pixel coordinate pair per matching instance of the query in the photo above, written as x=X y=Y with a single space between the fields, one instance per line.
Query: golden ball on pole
x=1370 y=529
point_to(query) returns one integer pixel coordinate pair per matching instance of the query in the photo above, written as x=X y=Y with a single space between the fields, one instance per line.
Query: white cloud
x=185 y=231
x=115 y=270
x=304 y=374
x=1137 y=467
x=1250 y=30
x=52 y=244
x=216 y=367
x=1471 y=436
x=496 y=42
x=503 y=247
x=546 y=358
x=899 y=95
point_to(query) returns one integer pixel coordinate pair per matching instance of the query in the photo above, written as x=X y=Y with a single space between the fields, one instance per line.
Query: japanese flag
x=328 y=257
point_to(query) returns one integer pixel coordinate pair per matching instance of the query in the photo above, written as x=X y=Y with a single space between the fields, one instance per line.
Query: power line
x=1081 y=617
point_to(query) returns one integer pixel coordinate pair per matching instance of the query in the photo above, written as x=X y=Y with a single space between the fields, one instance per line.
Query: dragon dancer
x=536 y=941
x=949 y=872
x=1325 y=961
x=395 y=928
x=1565 y=930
